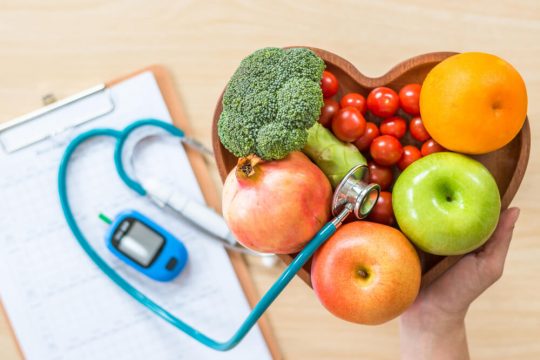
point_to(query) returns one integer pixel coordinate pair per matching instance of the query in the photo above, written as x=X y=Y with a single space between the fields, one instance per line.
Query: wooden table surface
x=66 y=46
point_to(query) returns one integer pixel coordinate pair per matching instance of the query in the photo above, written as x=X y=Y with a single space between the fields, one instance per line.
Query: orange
x=473 y=103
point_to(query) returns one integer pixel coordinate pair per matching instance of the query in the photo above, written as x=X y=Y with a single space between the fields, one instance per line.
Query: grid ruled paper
x=60 y=305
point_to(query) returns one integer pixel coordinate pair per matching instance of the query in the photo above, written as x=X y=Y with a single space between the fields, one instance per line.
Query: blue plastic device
x=146 y=246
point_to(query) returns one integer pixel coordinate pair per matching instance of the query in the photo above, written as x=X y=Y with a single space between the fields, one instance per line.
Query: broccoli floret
x=236 y=133
x=299 y=102
x=303 y=63
x=275 y=140
x=271 y=101
x=260 y=107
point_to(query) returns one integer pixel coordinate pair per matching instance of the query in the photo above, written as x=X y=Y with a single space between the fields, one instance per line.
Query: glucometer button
x=171 y=264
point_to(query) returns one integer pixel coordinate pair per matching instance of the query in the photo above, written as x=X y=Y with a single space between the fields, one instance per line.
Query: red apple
x=366 y=273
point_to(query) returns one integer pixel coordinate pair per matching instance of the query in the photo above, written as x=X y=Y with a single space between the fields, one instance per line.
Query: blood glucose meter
x=145 y=246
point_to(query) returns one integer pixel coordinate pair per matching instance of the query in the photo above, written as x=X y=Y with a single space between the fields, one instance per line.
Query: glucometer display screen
x=141 y=243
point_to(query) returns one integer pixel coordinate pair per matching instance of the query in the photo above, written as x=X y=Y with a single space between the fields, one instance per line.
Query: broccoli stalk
x=332 y=156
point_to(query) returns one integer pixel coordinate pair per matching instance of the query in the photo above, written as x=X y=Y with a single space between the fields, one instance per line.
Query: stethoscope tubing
x=275 y=290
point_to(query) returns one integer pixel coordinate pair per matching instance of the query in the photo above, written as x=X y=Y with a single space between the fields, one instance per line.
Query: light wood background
x=67 y=46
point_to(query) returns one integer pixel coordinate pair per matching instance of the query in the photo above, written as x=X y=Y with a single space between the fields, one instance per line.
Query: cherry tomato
x=381 y=175
x=383 y=102
x=363 y=142
x=382 y=212
x=386 y=150
x=394 y=126
x=410 y=155
x=329 y=109
x=430 y=147
x=329 y=84
x=409 y=98
x=348 y=124
x=417 y=129
x=354 y=100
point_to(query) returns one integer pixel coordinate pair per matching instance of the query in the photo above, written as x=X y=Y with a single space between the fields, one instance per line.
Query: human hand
x=433 y=327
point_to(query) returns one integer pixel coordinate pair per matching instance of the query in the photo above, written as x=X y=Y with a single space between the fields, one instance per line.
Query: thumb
x=493 y=255
x=497 y=246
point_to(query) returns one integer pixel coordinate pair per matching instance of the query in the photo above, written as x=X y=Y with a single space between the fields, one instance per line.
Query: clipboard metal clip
x=56 y=118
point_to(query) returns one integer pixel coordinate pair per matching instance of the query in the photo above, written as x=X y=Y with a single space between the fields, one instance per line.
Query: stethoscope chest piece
x=355 y=193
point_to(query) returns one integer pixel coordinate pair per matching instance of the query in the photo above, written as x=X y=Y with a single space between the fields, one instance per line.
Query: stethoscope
x=352 y=195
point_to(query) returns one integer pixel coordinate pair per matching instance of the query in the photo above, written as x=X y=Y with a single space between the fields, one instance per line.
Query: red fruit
x=276 y=206
x=409 y=98
x=363 y=142
x=410 y=155
x=417 y=129
x=329 y=84
x=386 y=150
x=366 y=273
x=382 y=212
x=348 y=124
x=383 y=102
x=430 y=147
x=381 y=175
x=394 y=126
x=329 y=109
x=355 y=100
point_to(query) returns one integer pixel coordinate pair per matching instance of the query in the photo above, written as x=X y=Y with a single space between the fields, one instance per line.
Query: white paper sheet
x=60 y=305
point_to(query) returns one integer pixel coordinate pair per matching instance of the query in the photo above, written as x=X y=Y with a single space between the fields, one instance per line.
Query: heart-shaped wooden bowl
x=507 y=164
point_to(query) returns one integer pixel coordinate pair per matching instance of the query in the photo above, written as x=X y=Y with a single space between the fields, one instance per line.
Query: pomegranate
x=276 y=206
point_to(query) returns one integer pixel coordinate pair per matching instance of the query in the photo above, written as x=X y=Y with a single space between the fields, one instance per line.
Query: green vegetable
x=333 y=157
x=271 y=101
x=271 y=106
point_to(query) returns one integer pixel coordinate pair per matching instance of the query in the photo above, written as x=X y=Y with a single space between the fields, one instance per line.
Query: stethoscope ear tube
x=166 y=196
x=201 y=215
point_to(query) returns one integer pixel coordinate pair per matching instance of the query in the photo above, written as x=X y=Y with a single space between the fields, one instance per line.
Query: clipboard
x=196 y=160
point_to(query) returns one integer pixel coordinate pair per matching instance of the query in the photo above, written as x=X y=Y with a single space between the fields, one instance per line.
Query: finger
x=497 y=246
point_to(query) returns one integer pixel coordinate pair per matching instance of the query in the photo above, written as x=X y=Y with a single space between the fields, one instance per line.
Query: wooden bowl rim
x=390 y=76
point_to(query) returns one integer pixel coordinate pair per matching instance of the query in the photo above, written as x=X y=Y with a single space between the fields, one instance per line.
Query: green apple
x=446 y=203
